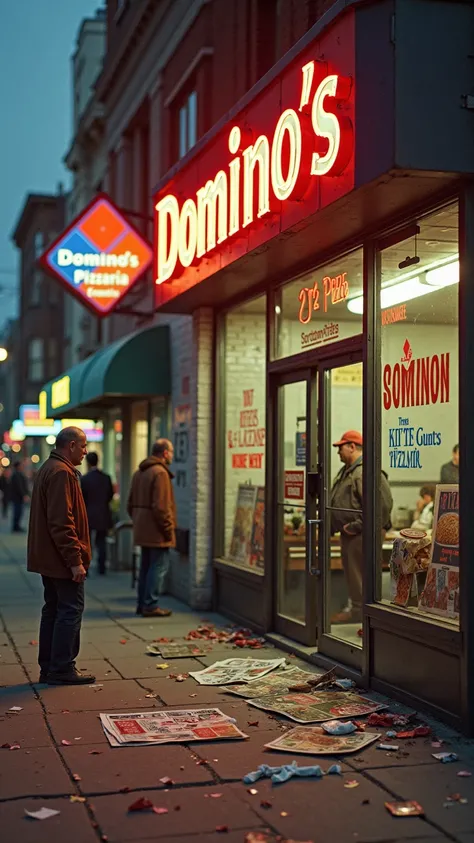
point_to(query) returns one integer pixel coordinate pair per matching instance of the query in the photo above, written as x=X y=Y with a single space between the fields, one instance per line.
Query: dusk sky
x=37 y=40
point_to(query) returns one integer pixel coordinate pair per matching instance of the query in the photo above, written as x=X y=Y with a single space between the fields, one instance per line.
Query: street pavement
x=208 y=800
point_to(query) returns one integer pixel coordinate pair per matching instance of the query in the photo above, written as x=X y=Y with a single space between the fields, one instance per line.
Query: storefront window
x=245 y=374
x=420 y=452
x=319 y=308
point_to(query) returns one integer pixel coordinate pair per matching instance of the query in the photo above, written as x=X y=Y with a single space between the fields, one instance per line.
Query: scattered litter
x=95 y=752
x=159 y=810
x=42 y=814
x=351 y=783
x=317 y=707
x=445 y=757
x=76 y=777
x=123 y=641
x=239 y=637
x=165 y=725
x=405 y=809
x=98 y=687
x=464 y=774
x=176 y=651
x=313 y=740
x=181 y=677
x=418 y=732
x=252 y=791
x=284 y=814
x=16 y=708
x=281 y=681
x=215 y=795
x=266 y=804
x=281 y=774
x=33 y=643
x=15 y=746
x=390 y=734
x=222 y=829
x=75 y=798
x=162 y=666
x=437 y=744
x=78 y=739
x=252 y=723
x=65 y=743
x=337 y=727
x=167 y=781
x=390 y=747
x=228 y=671
x=334 y=770
x=141 y=804
x=151 y=696
x=388 y=719
x=193 y=695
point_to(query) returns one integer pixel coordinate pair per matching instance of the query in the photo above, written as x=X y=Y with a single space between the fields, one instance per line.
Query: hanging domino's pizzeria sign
x=99 y=257
x=282 y=157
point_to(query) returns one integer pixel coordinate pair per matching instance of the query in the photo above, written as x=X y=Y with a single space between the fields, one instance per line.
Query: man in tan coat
x=59 y=549
x=152 y=508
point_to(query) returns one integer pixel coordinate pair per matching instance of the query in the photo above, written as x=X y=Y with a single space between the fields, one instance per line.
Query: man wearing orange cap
x=346 y=518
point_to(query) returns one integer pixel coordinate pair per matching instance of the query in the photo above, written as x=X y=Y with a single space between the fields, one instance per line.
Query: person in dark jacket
x=98 y=492
x=151 y=507
x=18 y=496
x=59 y=549
x=5 y=490
x=346 y=518
x=450 y=470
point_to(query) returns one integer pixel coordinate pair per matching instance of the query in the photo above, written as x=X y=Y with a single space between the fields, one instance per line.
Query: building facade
x=307 y=167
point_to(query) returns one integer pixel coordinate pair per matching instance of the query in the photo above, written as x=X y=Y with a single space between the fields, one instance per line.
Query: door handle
x=310 y=521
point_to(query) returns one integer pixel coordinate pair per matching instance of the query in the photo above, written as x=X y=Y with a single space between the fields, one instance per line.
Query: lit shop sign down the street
x=99 y=257
x=280 y=159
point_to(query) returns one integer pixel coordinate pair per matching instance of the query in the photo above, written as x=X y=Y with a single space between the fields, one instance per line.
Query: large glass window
x=245 y=377
x=320 y=308
x=419 y=564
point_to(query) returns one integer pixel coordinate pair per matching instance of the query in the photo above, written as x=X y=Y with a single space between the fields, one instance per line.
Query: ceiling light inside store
x=400 y=292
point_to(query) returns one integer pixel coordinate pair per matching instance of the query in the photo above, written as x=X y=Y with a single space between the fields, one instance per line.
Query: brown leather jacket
x=58 y=534
x=151 y=505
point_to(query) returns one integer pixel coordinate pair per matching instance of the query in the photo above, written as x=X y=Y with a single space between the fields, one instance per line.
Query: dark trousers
x=60 y=628
x=101 y=548
x=17 y=513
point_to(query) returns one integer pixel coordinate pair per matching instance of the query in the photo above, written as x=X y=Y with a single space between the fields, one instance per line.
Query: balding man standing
x=59 y=549
x=151 y=507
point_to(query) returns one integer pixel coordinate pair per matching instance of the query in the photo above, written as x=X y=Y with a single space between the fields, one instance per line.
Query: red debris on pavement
x=239 y=637
x=387 y=719
x=141 y=804
x=222 y=829
x=418 y=732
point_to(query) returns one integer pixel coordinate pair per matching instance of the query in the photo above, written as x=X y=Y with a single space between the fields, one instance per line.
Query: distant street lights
x=3 y=355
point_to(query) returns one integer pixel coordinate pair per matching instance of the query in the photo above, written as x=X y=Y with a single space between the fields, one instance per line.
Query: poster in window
x=240 y=543
x=257 y=545
x=441 y=592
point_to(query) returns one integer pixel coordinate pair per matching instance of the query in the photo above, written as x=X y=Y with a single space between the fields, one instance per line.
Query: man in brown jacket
x=151 y=507
x=59 y=549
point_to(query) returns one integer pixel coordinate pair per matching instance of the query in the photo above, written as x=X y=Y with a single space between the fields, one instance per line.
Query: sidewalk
x=44 y=772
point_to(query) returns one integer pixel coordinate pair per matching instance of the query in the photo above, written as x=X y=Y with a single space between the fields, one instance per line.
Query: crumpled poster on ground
x=317 y=707
x=313 y=740
x=274 y=683
x=176 y=650
x=168 y=726
x=236 y=670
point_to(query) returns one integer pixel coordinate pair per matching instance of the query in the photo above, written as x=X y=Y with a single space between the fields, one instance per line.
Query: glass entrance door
x=296 y=438
x=318 y=506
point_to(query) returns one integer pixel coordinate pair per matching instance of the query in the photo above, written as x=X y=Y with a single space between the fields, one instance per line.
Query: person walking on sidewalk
x=98 y=492
x=5 y=490
x=18 y=496
x=59 y=549
x=152 y=508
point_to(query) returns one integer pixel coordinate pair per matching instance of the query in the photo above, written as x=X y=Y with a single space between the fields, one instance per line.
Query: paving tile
x=33 y=772
x=179 y=693
x=463 y=838
x=411 y=753
x=146 y=667
x=101 y=669
x=114 y=650
x=213 y=837
x=4 y=641
x=232 y=760
x=133 y=767
x=196 y=809
x=86 y=726
x=430 y=787
x=30 y=731
x=72 y=824
x=7 y=656
x=87 y=651
x=338 y=812
x=11 y=674
x=112 y=696
x=21 y=695
x=106 y=634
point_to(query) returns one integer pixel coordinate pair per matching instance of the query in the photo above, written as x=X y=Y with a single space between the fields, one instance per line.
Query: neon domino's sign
x=94 y=280
x=311 y=141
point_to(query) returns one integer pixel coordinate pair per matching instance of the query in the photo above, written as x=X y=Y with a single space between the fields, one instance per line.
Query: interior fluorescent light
x=412 y=288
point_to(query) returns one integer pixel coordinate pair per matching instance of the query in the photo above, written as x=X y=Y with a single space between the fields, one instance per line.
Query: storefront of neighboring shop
x=325 y=231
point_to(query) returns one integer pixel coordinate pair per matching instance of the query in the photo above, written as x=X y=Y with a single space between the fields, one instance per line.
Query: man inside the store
x=346 y=519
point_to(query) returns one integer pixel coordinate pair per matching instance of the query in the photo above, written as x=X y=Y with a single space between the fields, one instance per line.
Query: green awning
x=135 y=367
